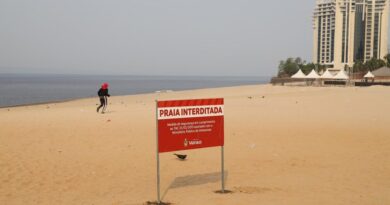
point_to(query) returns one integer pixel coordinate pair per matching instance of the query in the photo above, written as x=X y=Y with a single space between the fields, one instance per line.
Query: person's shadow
x=109 y=112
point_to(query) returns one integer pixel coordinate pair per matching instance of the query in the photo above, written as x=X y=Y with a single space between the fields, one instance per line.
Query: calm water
x=22 y=89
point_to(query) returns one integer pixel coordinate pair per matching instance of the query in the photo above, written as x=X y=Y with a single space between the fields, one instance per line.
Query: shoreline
x=42 y=103
x=175 y=91
x=146 y=93
x=20 y=90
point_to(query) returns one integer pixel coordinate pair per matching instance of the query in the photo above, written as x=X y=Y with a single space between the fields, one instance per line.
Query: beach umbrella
x=299 y=74
x=369 y=75
x=313 y=75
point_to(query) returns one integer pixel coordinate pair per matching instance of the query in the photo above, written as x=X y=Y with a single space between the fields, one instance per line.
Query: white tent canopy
x=313 y=75
x=327 y=75
x=369 y=75
x=299 y=74
x=341 y=76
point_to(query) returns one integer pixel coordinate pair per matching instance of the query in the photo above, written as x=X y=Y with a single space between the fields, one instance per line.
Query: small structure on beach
x=341 y=76
x=383 y=72
x=313 y=75
x=299 y=74
x=369 y=75
x=326 y=75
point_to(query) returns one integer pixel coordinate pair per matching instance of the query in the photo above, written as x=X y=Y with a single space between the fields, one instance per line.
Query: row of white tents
x=341 y=75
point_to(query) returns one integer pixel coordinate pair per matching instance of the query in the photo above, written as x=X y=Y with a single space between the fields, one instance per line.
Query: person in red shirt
x=103 y=94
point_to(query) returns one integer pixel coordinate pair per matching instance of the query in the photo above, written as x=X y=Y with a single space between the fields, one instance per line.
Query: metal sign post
x=158 y=159
x=223 y=166
x=222 y=170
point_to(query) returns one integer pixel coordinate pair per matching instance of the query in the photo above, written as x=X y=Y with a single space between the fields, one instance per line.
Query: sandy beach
x=283 y=146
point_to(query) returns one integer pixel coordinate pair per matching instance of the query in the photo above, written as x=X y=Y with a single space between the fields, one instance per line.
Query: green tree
x=387 y=60
x=321 y=68
x=290 y=66
x=298 y=61
x=308 y=67
x=374 y=64
x=358 y=66
x=281 y=68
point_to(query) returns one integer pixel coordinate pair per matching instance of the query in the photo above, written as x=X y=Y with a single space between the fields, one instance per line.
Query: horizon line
x=140 y=75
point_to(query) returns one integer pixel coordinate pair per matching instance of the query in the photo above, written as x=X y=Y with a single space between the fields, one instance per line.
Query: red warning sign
x=190 y=124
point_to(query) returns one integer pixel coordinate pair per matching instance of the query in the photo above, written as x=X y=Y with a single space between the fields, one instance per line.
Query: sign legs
x=222 y=170
x=158 y=179
x=158 y=159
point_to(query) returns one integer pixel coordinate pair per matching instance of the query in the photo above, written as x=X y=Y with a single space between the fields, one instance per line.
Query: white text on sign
x=189 y=112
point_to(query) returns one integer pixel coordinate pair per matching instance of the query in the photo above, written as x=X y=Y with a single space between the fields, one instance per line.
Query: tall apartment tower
x=346 y=31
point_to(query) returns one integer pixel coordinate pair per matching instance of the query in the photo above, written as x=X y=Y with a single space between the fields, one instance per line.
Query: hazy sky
x=160 y=37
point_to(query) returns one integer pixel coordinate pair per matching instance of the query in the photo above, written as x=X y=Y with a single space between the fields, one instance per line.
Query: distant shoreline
x=146 y=93
x=127 y=75
x=42 y=103
x=25 y=89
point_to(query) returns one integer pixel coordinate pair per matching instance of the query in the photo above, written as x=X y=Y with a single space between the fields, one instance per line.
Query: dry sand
x=283 y=145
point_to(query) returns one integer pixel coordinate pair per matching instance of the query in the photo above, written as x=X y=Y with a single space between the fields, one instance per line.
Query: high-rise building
x=347 y=31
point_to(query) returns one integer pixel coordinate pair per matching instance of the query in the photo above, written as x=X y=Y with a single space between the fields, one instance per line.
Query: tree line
x=290 y=66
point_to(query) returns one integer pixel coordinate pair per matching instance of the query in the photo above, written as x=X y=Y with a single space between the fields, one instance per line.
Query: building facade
x=347 y=31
